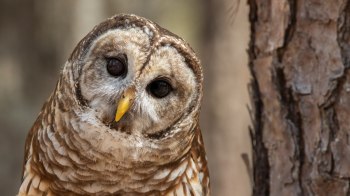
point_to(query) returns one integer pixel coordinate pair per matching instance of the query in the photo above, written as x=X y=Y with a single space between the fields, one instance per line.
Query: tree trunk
x=300 y=89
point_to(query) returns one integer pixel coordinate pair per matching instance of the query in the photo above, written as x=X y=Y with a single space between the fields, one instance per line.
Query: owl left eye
x=159 y=88
x=117 y=66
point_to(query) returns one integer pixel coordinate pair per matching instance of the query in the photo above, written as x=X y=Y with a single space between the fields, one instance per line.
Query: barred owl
x=123 y=118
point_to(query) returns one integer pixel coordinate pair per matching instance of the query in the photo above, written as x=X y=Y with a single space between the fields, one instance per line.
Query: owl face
x=137 y=80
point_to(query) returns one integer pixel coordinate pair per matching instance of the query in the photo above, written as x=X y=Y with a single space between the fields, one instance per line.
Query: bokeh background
x=37 y=36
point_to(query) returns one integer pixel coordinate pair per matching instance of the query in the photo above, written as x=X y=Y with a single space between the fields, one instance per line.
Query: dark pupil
x=159 y=88
x=116 y=66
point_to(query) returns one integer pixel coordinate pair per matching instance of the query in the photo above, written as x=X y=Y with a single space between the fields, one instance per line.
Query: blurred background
x=37 y=36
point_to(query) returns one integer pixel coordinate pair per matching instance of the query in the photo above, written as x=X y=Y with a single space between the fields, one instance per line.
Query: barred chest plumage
x=123 y=119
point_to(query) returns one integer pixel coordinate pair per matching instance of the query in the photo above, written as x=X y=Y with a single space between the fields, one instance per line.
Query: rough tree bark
x=300 y=88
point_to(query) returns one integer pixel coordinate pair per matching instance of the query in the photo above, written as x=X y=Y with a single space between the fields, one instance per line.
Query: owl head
x=135 y=80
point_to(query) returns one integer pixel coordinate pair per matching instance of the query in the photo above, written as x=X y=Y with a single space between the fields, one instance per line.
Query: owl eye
x=117 y=66
x=159 y=88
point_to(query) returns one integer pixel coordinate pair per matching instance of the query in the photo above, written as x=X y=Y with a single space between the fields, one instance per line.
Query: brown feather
x=71 y=151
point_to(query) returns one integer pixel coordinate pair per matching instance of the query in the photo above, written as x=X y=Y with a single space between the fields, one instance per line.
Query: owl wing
x=195 y=180
x=33 y=131
x=199 y=163
x=32 y=183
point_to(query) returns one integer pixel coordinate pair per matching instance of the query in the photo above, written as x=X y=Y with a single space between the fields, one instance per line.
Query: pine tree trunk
x=300 y=88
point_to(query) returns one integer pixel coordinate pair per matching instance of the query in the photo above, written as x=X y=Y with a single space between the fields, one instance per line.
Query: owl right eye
x=117 y=66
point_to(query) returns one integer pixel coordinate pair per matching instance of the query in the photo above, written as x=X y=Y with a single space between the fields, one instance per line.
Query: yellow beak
x=125 y=103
